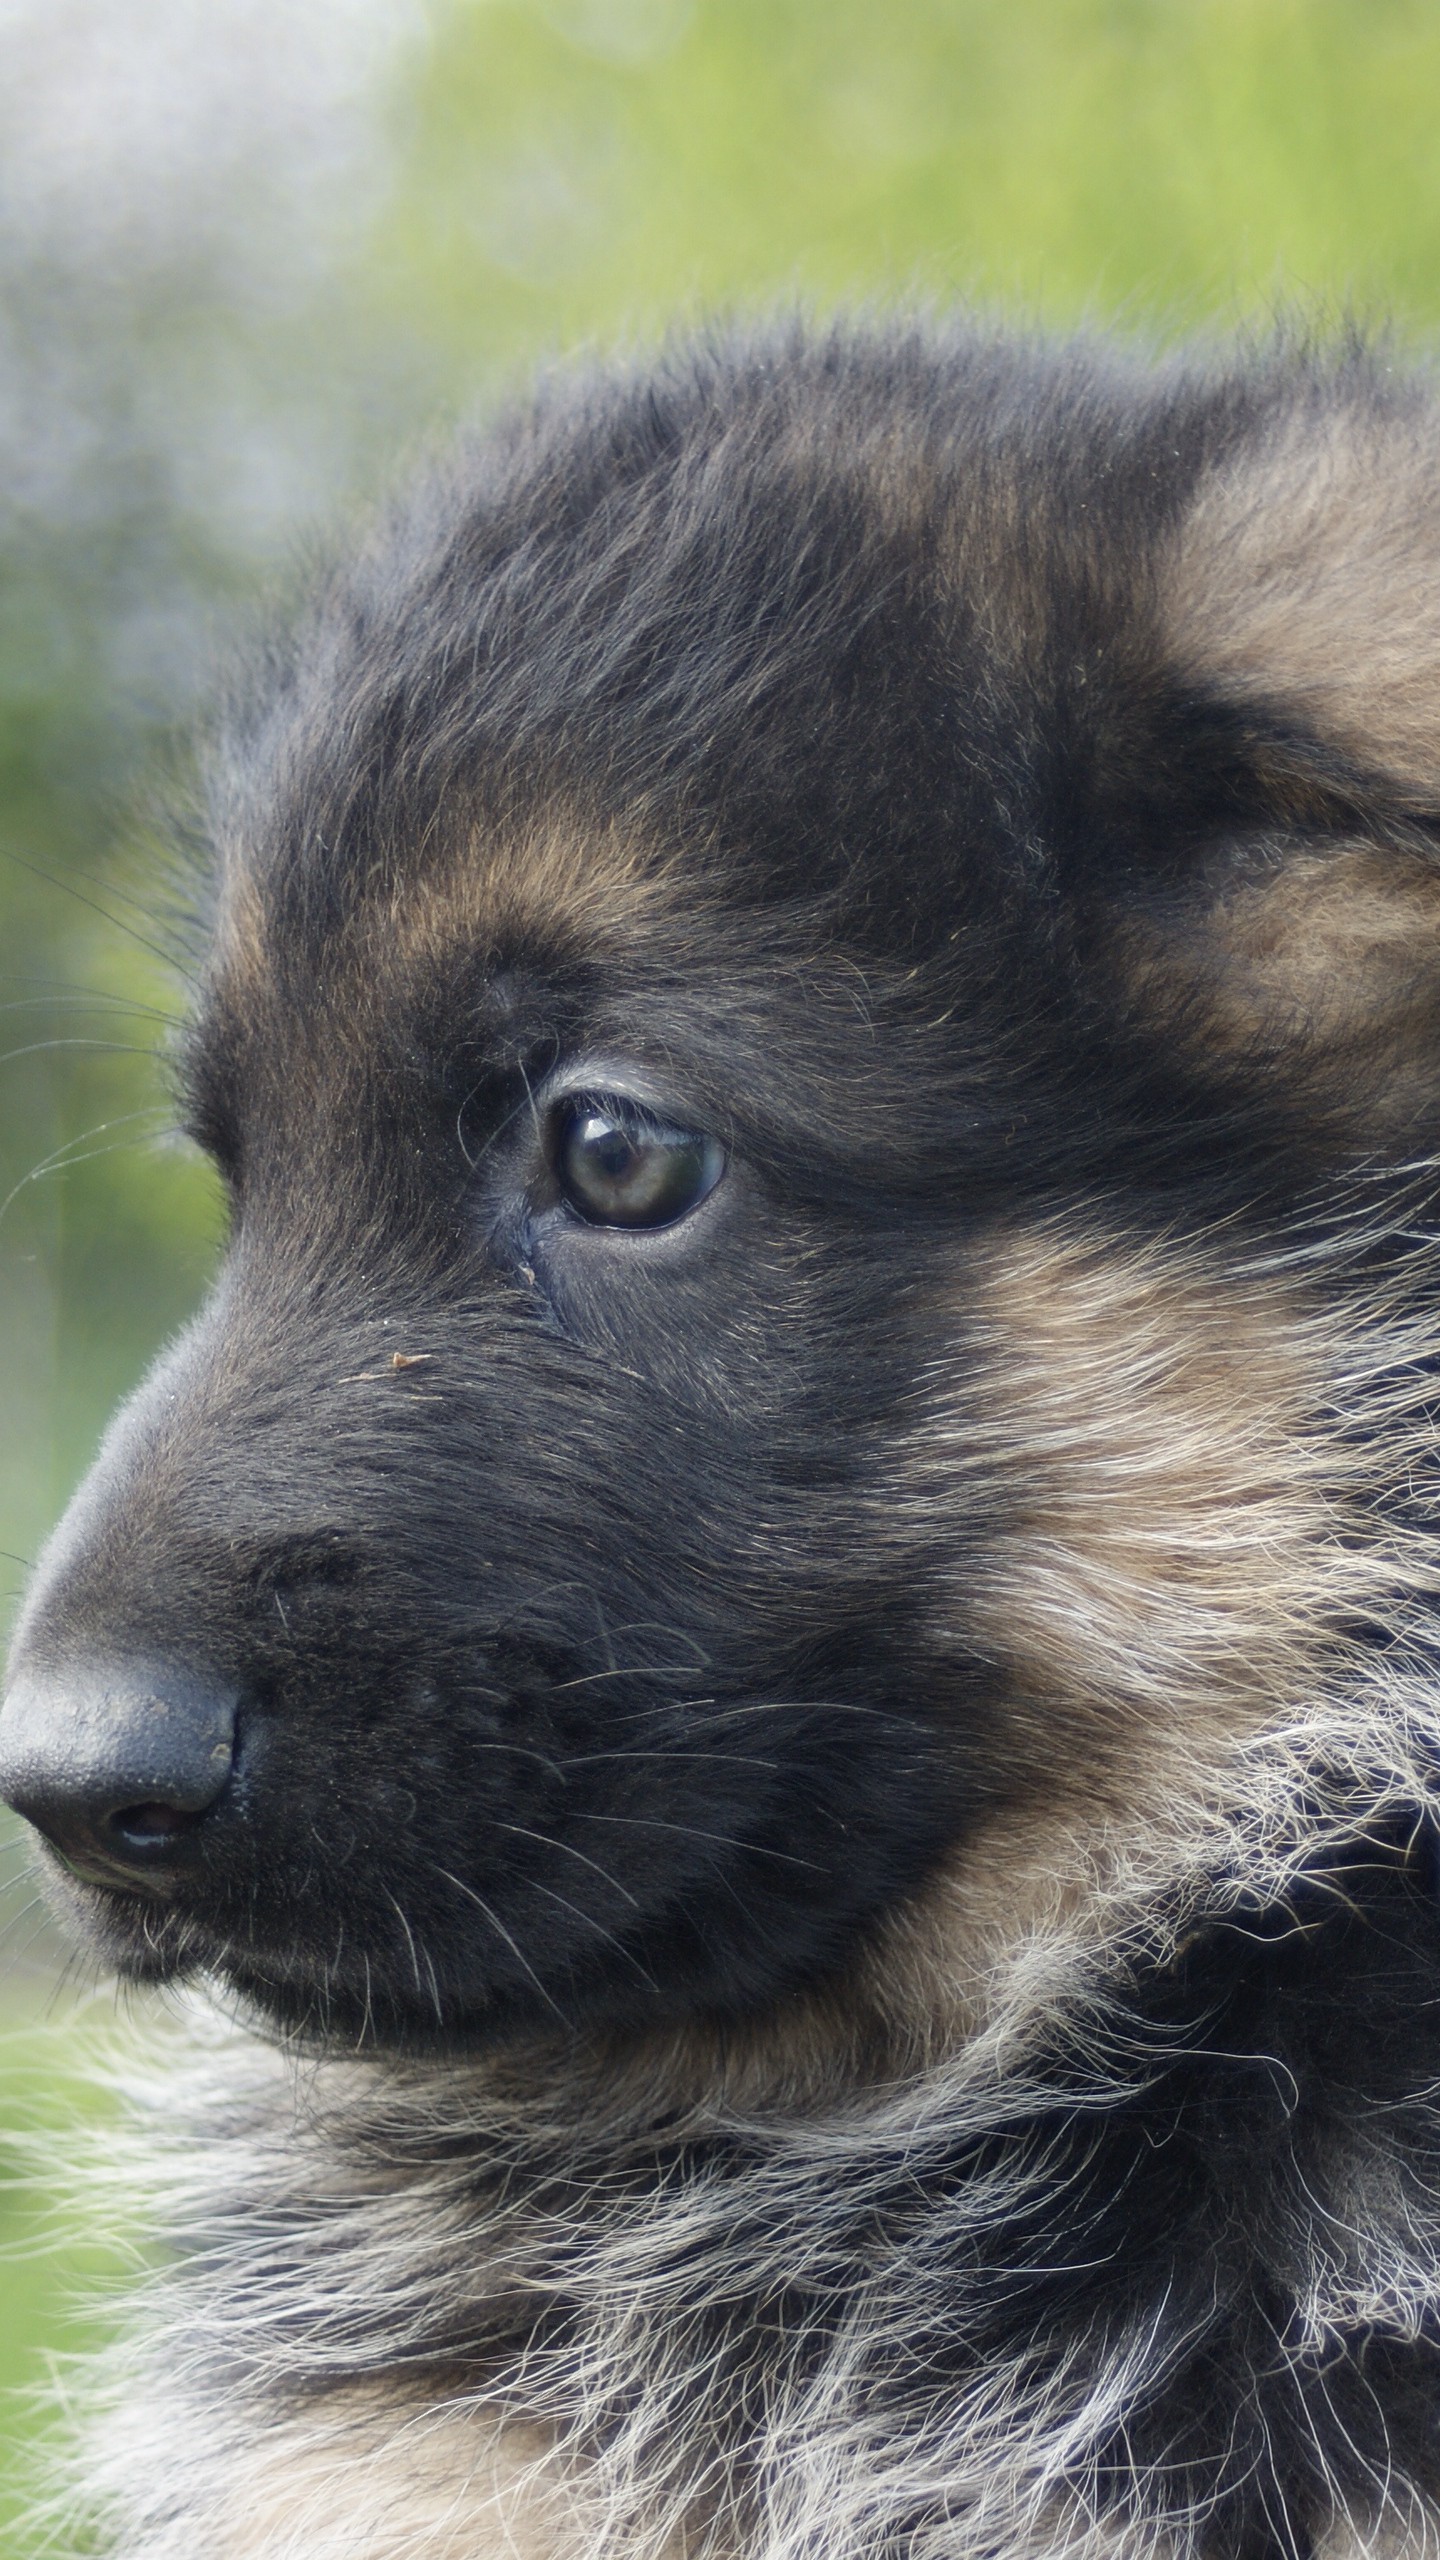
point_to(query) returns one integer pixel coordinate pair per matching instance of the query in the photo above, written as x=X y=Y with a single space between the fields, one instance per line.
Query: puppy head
x=785 y=946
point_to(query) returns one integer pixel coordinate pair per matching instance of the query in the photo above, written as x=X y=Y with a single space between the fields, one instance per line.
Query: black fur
x=794 y=736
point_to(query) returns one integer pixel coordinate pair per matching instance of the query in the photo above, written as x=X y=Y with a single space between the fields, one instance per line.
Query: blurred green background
x=255 y=253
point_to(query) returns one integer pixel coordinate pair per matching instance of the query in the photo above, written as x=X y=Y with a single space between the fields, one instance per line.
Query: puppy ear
x=1300 y=620
x=1304 y=591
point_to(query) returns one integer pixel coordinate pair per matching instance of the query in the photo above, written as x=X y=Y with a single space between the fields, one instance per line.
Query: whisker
x=676 y=1759
x=547 y=1841
x=54 y=880
x=501 y=1931
x=527 y=1102
x=437 y=2003
x=496 y=1133
x=692 y=1831
x=521 y=1751
x=126 y=1008
x=738 y=1707
x=63 y=1157
x=74 y=1040
x=76 y=1966
x=630 y=1671
x=113 y=888
x=733 y=1711
x=33 y=1910
x=409 y=1938
x=530 y=1098
x=588 y=1921
x=70 y=987
x=605 y=1636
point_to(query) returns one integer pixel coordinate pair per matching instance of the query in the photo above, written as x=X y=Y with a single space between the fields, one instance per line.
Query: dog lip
x=127 y=1884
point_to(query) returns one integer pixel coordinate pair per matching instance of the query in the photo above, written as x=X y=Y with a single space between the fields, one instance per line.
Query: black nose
x=119 y=1762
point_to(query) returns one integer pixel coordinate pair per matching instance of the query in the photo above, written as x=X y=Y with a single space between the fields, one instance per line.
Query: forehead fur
x=791 y=613
x=776 y=599
x=562 y=889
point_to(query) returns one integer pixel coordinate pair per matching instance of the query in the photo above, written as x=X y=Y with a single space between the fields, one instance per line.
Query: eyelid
x=609 y=1080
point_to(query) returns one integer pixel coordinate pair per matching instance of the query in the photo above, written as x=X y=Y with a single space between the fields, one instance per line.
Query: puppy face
x=524 y=1462
x=778 y=976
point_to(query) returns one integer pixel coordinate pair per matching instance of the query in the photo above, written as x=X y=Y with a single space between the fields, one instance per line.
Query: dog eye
x=618 y=1166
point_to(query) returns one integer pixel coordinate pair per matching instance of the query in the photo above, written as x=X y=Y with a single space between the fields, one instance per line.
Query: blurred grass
x=57 y=2272
x=208 y=345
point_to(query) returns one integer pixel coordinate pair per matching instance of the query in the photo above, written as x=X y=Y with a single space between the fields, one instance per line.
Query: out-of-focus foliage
x=251 y=252
x=591 y=162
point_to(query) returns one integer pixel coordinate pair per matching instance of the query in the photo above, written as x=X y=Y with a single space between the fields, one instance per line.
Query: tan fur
x=239 y=958
x=1176 y=1544
x=1183 y=1539
x=1349 y=938
x=364 y=2476
x=578 y=888
x=1305 y=576
x=1409 y=2535
x=582 y=887
x=1327 y=964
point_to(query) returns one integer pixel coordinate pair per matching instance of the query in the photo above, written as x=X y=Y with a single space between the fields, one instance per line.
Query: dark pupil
x=608 y=1154
x=619 y=1168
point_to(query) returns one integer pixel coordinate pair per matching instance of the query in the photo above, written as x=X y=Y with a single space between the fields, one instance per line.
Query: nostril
x=148 y=1826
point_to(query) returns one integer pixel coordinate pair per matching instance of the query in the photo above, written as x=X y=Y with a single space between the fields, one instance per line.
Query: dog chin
x=343 y=2017
x=139 y=1939
x=124 y=1929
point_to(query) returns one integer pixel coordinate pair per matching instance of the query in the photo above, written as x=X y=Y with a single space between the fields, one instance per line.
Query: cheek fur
x=1180 y=1533
x=1176 y=1495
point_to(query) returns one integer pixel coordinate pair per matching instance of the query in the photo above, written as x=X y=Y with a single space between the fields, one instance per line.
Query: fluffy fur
x=834 y=1800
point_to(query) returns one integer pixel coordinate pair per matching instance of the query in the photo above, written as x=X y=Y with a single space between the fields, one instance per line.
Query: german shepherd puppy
x=781 y=1619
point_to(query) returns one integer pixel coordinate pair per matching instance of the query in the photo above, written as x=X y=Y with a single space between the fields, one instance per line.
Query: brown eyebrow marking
x=579 y=884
